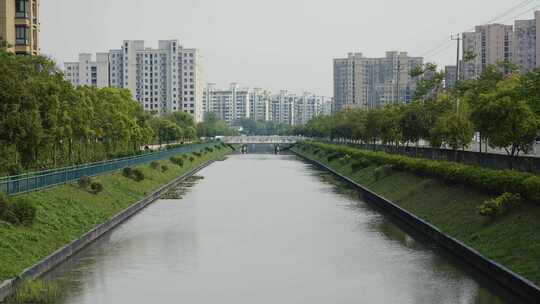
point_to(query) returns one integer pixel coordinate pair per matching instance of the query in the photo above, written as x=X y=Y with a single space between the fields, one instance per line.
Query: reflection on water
x=267 y=229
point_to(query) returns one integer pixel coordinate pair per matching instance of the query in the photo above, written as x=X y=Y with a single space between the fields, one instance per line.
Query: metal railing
x=38 y=180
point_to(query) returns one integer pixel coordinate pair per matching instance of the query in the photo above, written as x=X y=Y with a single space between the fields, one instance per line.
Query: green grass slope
x=64 y=213
x=512 y=240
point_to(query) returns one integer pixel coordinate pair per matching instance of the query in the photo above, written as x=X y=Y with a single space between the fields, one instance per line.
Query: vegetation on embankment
x=511 y=239
x=64 y=213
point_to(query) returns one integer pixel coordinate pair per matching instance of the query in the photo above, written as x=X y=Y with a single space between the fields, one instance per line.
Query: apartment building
x=450 y=76
x=362 y=82
x=524 y=44
x=282 y=108
x=86 y=72
x=229 y=105
x=19 y=25
x=259 y=104
x=163 y=80
x=491 y=43
x=309 y=106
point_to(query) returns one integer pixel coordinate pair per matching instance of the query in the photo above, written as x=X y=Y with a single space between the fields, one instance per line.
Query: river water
x=267 y=229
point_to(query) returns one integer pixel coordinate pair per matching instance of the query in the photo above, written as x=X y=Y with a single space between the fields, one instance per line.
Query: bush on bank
x=488 y=180
x=17 y=212
x=500 y=205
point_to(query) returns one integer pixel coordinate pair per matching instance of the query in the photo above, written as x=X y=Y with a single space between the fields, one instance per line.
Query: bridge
x=274 y=139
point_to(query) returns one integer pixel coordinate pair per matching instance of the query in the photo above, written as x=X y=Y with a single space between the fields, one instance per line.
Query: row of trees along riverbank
x=45 y=122
x=503 y=105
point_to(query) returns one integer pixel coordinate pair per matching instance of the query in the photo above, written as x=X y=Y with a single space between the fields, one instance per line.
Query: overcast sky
x=269 y=43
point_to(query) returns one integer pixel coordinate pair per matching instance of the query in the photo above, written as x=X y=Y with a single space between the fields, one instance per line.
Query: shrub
x=359 y=164
x=137 y=175
x=10 y=217
x=191 y=159
x=84 y=182
x=24 y=211
x=209 y=149
x=164 y=168
x=3 y=201
x=127 y=172
x=334 y=156
x=177 y=160
x=487 y=180
x=154 y=165
x=197 y=154
x=96 y=187
x=382 y=172
x=500 y=205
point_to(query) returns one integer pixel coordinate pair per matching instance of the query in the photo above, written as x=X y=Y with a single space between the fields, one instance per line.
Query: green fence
x=38 y=180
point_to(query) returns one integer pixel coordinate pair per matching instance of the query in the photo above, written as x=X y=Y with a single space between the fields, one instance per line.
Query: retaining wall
x=61 y=255
x=514 y=282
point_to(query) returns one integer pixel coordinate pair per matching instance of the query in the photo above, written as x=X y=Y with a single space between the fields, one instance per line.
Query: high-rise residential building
x=490 y=43
x=86 y=72
x=259 y=104
x=163 y=80
x=19 y=25
x=524 y=44
x=361 y=82
x=450 y=76
x=328 y=106
x=282 y=108
x=309 y=106
x=472 y=45
x=537 y=18
x=229 y=105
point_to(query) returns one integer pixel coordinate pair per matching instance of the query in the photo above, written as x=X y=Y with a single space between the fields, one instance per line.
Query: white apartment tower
x=86 y=72
x=259 y=104
x=229 y=105
x=163 y=80
x=309 y=106
x=282 y=109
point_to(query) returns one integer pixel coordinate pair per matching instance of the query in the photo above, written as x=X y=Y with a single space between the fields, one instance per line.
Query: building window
x=21 y=35
x=21 y=8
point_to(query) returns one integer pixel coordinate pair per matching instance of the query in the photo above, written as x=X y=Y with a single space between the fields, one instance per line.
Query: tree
x=509 y=121
x=414 y=124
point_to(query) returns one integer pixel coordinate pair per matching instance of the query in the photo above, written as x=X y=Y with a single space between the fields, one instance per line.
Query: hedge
x=487 y=180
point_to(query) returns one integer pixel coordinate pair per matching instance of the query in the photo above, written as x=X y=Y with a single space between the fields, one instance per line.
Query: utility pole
x=458 y=39
x=397 y=80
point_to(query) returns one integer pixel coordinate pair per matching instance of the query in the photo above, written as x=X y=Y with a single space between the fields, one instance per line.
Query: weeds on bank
x=36 y=292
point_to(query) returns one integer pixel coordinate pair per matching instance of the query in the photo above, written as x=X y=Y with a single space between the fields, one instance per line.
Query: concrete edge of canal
x=8 y=286
x=499 y=273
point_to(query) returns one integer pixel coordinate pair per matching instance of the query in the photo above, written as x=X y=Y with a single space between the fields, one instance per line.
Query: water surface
x=266 y=229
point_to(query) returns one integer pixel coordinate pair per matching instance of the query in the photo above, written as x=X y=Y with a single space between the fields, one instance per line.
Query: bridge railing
x=34 y=181
x=262 y=139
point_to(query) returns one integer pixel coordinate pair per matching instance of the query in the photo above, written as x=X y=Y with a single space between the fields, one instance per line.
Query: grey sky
x=272 y=43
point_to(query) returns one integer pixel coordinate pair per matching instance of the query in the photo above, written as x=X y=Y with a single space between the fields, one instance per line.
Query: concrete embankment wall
x=61 y=255
x=517 y=284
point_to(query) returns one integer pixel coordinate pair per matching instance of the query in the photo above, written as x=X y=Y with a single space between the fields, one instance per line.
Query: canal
x=267 y=229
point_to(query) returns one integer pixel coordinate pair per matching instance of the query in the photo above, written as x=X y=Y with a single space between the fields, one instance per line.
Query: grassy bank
x=512 y=239
x=64 y=213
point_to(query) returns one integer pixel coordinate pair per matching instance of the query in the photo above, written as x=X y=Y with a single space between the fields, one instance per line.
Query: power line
x=520 y=5
x=443 y=46
x=522 y=13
